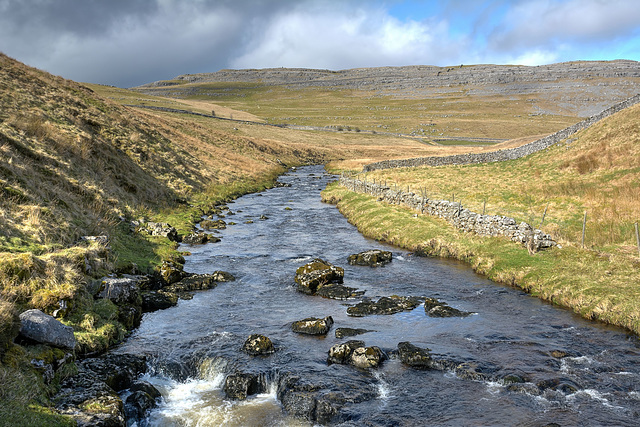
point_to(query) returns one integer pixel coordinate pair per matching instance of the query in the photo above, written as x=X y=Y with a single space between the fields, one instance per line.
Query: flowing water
x=194 y=345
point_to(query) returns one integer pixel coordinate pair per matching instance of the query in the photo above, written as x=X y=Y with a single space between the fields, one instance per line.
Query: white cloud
x=345 y=38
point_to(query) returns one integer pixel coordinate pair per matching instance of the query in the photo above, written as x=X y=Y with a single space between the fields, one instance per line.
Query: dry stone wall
x=503 y=155
x=455 y=214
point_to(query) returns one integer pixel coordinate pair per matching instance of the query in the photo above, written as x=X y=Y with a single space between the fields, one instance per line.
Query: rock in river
x=372 y=258
x=337 y=291
x=436 y=308
x=355 y=353
x=313 y=326
x=414 y=356
x=257 y=345
x=385 y=305
x=350 y=332
x=314 y=275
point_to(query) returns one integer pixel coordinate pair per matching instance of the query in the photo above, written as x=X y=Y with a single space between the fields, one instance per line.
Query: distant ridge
x=586 y=87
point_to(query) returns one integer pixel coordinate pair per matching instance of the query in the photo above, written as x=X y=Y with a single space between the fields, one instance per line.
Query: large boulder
x=341 y=353
x=317 y=273
x=258 y=345
x=371 y=258
x=313 y=326
x=355 y=353
x=40 y=327
x=209 y=224
x=385 y=305
x=367 y=357
x=196 y=238
x=172 y=272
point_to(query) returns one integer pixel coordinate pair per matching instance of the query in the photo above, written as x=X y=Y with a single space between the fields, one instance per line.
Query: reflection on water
x=196 y=344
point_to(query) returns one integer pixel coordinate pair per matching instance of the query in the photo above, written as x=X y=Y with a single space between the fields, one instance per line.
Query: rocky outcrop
x=42 y=328
x=385 y=305
x=317 y=273
x=91 y=396
x=371 y=258
x=258 y=345
x=157 y=229
x=313 y=326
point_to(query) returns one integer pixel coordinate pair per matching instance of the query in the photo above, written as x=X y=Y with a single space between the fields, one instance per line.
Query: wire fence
x=579 y=228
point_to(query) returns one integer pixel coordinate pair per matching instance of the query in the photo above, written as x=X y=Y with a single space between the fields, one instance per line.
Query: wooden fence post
x=484 y=207
x=544 y=214
x=638 y=238
x=584 y=227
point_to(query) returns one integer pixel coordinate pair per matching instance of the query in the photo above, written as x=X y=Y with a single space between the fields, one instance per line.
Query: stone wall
x=455 y=214
x=504 y=155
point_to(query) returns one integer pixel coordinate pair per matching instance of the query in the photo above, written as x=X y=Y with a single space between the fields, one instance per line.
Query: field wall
x=503 y=155
x=455 y=214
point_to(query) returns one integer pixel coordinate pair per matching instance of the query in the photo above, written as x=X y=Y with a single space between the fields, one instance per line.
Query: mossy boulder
x=367 y=357
x=240 y=385
x=385 y=306
x=371 y=258
x=414 y=356
x=258 y=345
x=317 y=273
x=172 y=272
x=341 y=353
x=209 y=224
x=436 y=308
x=313 y=326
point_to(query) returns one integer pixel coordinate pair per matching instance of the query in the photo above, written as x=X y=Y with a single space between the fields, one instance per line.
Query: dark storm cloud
x=131 y=42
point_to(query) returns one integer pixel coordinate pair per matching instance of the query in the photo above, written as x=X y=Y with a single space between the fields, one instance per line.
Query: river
x=575 y=372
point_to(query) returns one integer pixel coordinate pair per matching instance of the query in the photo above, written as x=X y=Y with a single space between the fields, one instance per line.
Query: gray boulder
x=123 y=290
x=42 y=328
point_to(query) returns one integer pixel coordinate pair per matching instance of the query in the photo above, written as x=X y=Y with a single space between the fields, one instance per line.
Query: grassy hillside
x=596 y=171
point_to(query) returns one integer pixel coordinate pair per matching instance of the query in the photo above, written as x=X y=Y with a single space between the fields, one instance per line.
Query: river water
x=194 y=345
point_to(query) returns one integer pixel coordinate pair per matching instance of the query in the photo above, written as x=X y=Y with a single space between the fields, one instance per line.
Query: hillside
x=577 y=89
x=594 y=175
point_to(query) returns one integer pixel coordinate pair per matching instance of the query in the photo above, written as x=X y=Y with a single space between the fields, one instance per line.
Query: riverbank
x=597 y=286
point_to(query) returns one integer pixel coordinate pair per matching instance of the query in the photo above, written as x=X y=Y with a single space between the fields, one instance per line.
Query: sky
x=127 y=43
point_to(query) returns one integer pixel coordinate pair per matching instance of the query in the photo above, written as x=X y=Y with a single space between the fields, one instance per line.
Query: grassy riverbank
x=597 y=171
x=597 y=286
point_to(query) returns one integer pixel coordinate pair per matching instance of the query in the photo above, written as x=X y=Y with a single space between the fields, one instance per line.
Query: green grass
x=450 y=114
x=595 y=285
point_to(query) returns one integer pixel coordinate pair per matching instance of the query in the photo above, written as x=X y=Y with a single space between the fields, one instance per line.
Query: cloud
x=347 y=37
x=536 y=24
x=127 y=43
